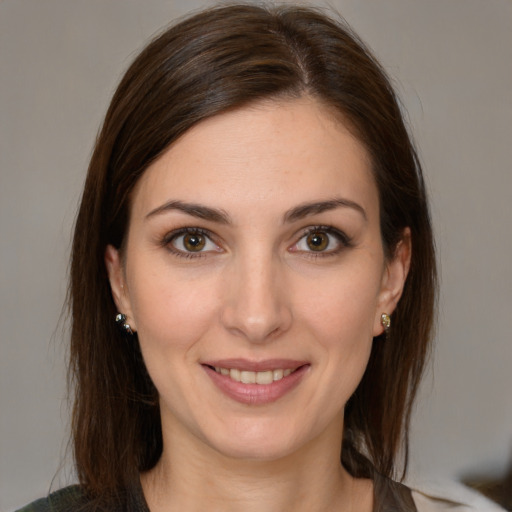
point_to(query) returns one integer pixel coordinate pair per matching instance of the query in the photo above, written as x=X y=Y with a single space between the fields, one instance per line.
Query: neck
x=311 y=479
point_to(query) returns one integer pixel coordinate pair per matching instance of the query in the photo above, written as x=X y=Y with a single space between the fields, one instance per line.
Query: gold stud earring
x=385 y=321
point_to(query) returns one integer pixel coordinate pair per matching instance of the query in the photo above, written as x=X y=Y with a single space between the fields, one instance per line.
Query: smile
x=256 y=383
x=250 y=377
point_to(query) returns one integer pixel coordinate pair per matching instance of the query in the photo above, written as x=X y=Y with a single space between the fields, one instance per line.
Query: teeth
x=264 y=377
x=248 y=377
x=278 y=374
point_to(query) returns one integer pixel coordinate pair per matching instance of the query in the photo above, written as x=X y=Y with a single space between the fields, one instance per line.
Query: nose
x=256 y=304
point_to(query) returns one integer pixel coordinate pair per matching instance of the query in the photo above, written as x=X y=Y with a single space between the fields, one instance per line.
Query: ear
x=393 y=280
x=117 y=285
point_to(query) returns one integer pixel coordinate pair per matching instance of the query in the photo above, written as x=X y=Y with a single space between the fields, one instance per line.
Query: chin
x=254 y=451
x=258 y=441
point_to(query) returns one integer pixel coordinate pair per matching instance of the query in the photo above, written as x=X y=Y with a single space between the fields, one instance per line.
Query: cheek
x=170 y=310
x=342 y=306
x=339 y=315
x=172 y=316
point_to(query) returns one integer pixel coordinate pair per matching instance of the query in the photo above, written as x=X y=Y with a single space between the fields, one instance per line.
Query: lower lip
x=256 y=394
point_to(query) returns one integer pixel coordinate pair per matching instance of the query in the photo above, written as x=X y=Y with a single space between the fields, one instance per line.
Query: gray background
x=452 y=63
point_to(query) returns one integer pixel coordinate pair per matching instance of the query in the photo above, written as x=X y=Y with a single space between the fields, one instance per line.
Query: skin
x=257 y=290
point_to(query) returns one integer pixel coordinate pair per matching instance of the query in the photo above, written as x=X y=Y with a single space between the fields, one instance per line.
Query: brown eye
x=191 y=243
x=194 y=242
x=317 y=241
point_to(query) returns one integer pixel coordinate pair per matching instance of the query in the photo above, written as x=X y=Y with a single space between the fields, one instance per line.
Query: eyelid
x=342 y=238
x=173 y=235
x=343 y=241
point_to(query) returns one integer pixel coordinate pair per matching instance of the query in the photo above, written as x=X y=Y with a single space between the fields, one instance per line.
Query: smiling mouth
x=256 y=382
x=250 y=377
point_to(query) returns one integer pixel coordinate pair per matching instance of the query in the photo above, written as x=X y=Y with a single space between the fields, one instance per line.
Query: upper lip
x=256 y=366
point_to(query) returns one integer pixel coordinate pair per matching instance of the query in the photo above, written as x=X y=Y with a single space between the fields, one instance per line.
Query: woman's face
x=255 y=276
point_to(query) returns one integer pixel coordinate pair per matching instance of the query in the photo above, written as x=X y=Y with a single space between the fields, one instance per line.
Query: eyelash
x=173 y=235
x=342 y=239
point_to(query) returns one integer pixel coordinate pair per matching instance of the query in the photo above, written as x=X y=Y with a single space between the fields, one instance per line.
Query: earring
x=385 y=321
x=121 y=322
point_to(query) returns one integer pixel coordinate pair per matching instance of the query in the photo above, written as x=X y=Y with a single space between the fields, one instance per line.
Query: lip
x=256 y=394
x=256 y=366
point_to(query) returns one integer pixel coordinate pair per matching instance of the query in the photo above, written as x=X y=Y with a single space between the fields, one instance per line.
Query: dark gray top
x=389 y=496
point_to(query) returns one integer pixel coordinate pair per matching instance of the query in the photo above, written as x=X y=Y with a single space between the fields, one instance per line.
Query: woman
x=253 y=276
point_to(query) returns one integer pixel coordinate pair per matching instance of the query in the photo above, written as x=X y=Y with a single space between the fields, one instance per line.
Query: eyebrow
x=222 y=217
x=195 y=210
x=307 y=209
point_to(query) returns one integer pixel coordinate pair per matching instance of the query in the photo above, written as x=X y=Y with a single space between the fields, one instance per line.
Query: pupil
x=194 y=242
x=317 y=241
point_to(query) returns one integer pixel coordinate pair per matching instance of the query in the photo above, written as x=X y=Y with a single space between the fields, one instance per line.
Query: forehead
x=270 y=155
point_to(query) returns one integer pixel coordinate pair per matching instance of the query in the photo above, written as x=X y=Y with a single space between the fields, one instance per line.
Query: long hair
x=218 y=60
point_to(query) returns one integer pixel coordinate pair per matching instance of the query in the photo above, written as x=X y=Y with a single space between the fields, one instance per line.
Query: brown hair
x=221 y=59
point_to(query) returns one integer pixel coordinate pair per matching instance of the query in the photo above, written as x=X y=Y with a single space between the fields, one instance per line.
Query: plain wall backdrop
x=451 y=61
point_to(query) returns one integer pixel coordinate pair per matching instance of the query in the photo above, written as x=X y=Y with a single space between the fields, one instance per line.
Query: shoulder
x=66 y=499
x=450 y=496
x=74 y=499
x=429 y=496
